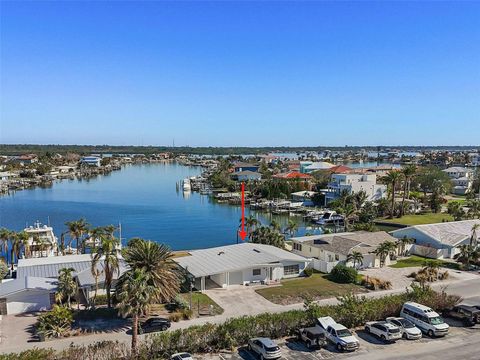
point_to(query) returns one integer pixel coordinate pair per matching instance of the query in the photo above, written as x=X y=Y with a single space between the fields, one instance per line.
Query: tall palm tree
x=292 y=228
x=474 y=236
x=77 y=230
x=135 y=292
x=402 y=244
x=250 y=224
x=67 y=286
x=108 y=255
x=157 y=262
x=408 y=173
x=5 y=236
x=15 y=246
x=384 y=250
x=466 y=255
x=392 y=178
x=355 y=257
x=275 y=225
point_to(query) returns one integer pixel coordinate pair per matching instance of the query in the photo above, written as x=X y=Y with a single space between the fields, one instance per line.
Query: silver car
x=265 y=348
x=407 y=328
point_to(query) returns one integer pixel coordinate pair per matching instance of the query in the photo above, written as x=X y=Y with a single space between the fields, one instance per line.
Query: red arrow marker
x=242 y=231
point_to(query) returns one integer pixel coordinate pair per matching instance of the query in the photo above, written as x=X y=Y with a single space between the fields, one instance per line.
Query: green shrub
x=101 y=299
x=344 y=274
x=179 y=303
x=308 y=272
x=175 y=317
x=55 y=323
x=187 y=314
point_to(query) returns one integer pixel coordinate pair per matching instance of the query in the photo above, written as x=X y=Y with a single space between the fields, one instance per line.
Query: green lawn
x=202 y=302
x=415 y=260
x=428 y=218
x=317 y=286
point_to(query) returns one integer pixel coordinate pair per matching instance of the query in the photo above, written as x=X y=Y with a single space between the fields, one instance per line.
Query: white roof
x=457 y=169
x=233 y=257
x=27 y=283
x=49 y=266
x=448 y=233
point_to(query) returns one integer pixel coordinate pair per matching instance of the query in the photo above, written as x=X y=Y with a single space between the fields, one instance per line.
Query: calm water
x=143 y=198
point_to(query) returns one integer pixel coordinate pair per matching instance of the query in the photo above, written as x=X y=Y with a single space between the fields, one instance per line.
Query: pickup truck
x=312 y=337
x=337 y=334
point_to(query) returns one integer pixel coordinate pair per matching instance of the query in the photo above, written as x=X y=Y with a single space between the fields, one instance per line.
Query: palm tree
x=466 y=255
x=474 y=237
x=384 y=250
x=275 y=225
x=355 y=257
x=67 y=286
x=393 y=177
x=250 y=223
x=156 y=261
x=408 y=173
x=292 y=228
x=108 y=254
x=402 y=244
x=5 y=236
x=135 y=292
x=15 y=246
x=77 y=229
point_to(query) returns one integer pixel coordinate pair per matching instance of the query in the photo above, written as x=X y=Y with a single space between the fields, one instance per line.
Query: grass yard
x=317 y=286
x=420 y=219
x=414 y=260
x=202 y=302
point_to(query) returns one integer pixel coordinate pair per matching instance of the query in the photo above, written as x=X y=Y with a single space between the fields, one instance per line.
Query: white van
x=425 y=319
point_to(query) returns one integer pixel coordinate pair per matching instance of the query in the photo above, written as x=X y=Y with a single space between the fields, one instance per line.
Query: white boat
x=42 y=242
x=186 y=184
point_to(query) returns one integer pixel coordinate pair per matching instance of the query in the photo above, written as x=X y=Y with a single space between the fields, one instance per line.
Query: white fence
x=323 y=266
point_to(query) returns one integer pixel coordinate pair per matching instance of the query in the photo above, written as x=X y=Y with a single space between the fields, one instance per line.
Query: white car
x=181 y=356
x=265 y=348
x=384 y=330
x=407 y=328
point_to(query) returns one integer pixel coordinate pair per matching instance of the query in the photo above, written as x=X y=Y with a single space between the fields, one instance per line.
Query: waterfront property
x=305 y=197
x=241 y=264
x=242 y=166
x=246 y=175
x=91 y=161
x=462 y=179
x=438 y=241
x=331 y=249
x=307 y=167
x=354 y=183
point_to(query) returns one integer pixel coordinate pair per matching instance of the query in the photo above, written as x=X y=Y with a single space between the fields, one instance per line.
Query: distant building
x=91 y=160
x=26 y=159
x=292 y=175
x=305 y=197
x=307 y=167
x=354 y=183
x=462 y=179
x=246 y=175
x=7 y=175
x=242 y=166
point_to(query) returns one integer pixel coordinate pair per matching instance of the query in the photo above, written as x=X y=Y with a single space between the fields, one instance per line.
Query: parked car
x=338 y=334
x=425 y=319
x=469 y=315
x=265 y=348
x=154 y=324
x=384 y=330
x=407 y=328
x=312 y=337
x=181 y=356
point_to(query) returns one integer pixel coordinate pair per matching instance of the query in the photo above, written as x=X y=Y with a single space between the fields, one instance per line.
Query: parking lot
x=370 y=347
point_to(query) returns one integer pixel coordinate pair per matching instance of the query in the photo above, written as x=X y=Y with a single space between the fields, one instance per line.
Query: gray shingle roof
x=233 y=258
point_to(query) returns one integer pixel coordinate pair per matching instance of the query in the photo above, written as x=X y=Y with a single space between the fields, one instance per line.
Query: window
x=257 y=272
x=291 y=270
x=297 y=246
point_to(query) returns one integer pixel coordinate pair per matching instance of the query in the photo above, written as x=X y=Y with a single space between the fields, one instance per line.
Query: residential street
x=15 y=337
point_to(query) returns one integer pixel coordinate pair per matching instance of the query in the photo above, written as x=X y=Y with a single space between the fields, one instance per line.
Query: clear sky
x=240 y=74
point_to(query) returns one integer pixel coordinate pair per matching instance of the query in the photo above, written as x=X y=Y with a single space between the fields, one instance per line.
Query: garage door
x=27 y=301
x=236 y=278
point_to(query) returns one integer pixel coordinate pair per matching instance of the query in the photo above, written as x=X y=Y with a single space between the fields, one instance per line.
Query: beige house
x=328 y=250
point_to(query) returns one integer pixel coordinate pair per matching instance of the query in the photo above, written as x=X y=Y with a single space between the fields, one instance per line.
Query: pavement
x=15 y=332
x=460 y=343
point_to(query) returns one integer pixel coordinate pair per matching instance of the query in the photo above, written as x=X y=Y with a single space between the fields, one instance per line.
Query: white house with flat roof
x=91 y=160
x=441 y=240
x=241 y=264
x=462 y=179
x=354 y=183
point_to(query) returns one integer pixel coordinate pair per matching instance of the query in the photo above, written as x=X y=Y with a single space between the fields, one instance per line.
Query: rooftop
x=233 y=257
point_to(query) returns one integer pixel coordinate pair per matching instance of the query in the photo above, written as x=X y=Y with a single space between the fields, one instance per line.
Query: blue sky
x=241 y=74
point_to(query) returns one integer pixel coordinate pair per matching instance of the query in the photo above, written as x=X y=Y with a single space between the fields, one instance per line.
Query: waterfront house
x=241 y=264
x=91 y=160
x=246 y=175
x=7 y=175
x=328 y=250
x=462 y=179
x=305 y=197
x=292 y=175
x=42 y=242
x=307 y=167
x=354 y=183
x=440 y=240
x=26 y=159
x=243 y=166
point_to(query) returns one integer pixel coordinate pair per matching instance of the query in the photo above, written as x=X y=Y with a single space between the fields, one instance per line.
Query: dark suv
x=470 y=315
x=154 y=324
